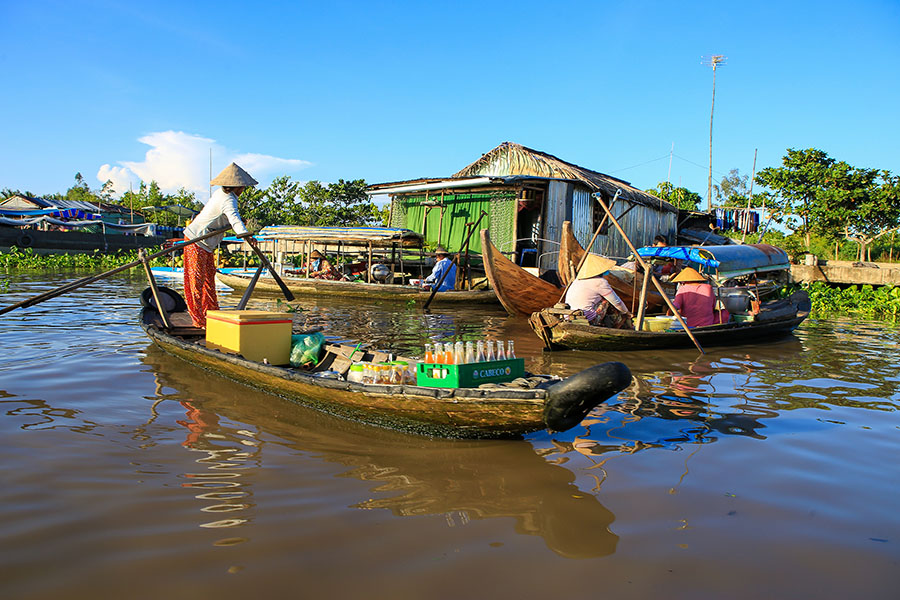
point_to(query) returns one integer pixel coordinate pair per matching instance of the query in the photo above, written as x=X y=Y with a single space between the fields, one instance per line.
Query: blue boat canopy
x=724 y=262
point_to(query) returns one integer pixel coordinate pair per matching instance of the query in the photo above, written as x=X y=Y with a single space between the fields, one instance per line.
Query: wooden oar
x=246 y=297
x=455 y=261
x=265 y=262
x=648 y=272
x=64 y=289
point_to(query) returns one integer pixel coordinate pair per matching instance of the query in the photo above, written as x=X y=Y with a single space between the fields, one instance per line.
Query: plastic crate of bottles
x=469 y=375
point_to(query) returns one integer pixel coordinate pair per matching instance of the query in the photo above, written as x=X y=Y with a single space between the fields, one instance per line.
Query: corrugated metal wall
x=582 y=215
x=559 y=196
x=641 y=224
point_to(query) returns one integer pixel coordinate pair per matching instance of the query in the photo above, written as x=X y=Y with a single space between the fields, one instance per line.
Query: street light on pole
x=712 y=61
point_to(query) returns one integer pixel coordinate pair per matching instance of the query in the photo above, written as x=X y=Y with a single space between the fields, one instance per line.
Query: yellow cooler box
x=254 y=334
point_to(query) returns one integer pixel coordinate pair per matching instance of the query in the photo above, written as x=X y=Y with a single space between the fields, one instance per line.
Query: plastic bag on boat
x=305 y=348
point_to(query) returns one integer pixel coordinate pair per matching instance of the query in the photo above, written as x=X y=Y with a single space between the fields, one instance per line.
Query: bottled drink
x=438 y=353
x=501 y=353
x=479 y=352
x=489 y=352
x=356 y=372
x=510 y=351
x=449 y=354
x=470 y=353
x=459 y=353
x=429 y=353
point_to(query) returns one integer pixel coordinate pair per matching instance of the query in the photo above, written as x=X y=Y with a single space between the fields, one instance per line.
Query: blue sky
x=389 y=91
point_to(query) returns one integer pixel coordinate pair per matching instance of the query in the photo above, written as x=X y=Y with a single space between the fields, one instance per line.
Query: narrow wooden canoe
x=511 y=410
x=302 y=286
x=521 y=293
x=775 y=319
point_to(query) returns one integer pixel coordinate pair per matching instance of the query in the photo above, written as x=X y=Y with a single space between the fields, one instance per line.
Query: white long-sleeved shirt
x=221 y=210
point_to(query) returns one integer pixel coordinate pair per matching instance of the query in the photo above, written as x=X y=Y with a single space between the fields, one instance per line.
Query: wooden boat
x=522 y=293
x=627 y=284
x=302 y=286
x=563 y=328
x=528 y=404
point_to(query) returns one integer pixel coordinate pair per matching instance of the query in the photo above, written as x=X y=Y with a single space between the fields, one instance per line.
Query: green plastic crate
x=471 y=375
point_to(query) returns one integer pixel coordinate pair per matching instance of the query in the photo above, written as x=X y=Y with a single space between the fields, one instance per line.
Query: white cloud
x=181 y=160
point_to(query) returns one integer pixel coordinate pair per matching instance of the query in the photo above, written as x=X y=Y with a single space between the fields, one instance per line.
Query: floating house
x=60 y=226
x=523 y=196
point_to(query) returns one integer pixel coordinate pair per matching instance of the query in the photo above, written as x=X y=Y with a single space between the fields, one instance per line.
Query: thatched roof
x=511 y=159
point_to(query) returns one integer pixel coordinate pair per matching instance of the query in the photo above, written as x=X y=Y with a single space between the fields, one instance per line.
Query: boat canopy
x=377 y=236
x=59 y=213
x=724 y=262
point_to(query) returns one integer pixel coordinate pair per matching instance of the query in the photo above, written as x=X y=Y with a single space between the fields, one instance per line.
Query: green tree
x=679 y=197
x=832 y=198
x=313 y=204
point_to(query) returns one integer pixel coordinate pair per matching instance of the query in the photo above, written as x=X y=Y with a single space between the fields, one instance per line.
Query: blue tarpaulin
x=724 y=261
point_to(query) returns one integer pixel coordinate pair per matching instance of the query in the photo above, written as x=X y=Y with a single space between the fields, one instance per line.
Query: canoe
x=508 y=410
x=560 y=328
x=302 y=286
x=522 y=293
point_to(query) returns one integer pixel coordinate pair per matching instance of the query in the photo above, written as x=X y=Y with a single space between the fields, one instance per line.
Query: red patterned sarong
x=199 y=283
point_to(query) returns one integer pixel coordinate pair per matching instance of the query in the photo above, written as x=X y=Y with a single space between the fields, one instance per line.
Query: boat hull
x=321 y=287
x=445 y=412
x=579 y=335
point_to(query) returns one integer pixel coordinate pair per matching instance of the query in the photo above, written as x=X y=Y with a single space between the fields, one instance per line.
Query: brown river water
x=748 y=472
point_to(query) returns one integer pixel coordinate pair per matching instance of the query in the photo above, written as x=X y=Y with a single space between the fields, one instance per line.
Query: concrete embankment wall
x=847 y=273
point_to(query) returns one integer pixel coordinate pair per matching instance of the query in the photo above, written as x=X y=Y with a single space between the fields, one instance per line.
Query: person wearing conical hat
x=696 y=300
x=321 y=268
x=199 y=260
x=592 y=294
x=442 y=265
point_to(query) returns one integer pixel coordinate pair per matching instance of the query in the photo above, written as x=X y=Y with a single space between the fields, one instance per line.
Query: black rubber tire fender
x=570 y=400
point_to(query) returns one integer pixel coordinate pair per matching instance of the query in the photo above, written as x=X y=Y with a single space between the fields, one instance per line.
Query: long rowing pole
x=648 y=272
x=265 y=263
x=455 y=260
x=64 y=289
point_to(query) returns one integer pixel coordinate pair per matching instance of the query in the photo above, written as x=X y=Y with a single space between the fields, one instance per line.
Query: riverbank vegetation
x=812 y=203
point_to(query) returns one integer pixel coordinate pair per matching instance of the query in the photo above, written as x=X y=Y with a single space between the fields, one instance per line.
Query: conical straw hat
x=595 y=265
x=688 y=275
x=233 y=176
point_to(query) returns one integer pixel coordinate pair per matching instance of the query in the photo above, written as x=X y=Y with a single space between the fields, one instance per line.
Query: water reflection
x=412 y=476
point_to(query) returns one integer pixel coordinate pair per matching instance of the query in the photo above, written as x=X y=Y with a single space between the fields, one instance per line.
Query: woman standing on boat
x=199 y=260
x=696 y=300
x=593 y=295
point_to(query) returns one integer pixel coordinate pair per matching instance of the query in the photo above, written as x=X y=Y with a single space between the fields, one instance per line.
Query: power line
x=640 y=165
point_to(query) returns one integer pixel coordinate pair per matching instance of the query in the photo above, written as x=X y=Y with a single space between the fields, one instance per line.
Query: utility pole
x=713 y=61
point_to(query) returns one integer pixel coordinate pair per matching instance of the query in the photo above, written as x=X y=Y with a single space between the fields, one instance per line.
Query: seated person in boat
x=321 y=268
x=696 y=300
x=443 y=265
x=593 y=295
x=663 y=268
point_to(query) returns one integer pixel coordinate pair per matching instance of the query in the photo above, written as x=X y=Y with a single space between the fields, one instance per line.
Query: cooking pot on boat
x=380 y=273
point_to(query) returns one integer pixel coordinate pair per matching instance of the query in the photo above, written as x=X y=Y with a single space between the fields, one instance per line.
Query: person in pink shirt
x=696 y=300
